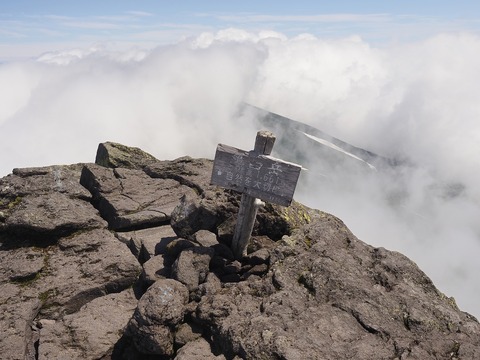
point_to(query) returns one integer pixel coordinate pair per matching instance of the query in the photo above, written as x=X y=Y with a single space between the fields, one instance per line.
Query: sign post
x=257 y=176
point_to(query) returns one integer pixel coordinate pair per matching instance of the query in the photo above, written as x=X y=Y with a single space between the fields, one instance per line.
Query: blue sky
x=30 y=27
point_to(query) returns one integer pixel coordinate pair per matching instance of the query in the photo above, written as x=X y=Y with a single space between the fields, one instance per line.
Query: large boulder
x=45 y=203
x=130 y=199
x=159 y=311
x=192 y=266
x=115 y=155
x=90 y=333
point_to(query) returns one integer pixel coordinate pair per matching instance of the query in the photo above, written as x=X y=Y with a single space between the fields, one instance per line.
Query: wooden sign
x=257 y=175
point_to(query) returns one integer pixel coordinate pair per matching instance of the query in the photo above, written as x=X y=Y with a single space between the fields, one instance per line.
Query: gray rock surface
x=55 y=256
x=155 y=269
x=159 y=310
x=205 y=238
x=198 y=349
x=90 y=332
x=329 y=295
x=114 y=155
x=192 y=266
x=76 y=286
x=146 y=243
x=129 y=199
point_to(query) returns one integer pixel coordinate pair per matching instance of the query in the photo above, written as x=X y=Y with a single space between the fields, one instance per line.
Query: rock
x=130 y=199
x=192 y=266
x=197 y=350
x=90 y=333
x=232 y=267
x=22 y=265
x=159 y=310
x=259 y=242
x=205 y=238
x=43 y=180
x=175 y=247
x=16 y=322
x=45 y=203
x=190 y=216
x=194 y=173
x=259 y=270
x=58 y=280
x=211 y=285
x=114 y=155
x=147 y=243
x=338 y=291
x=186 y=333
x=88 y=265
x=308 y=289
x=52 y=215
x=224 y=251
x=154 y=269
x=261 y=256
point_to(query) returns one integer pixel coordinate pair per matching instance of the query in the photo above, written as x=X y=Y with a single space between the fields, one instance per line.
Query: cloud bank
x=414 y=102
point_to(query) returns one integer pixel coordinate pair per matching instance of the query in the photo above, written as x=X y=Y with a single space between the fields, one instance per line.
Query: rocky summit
x=129 y=258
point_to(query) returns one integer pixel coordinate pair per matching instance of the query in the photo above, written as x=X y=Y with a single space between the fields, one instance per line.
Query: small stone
x=205 y=238
x=192 y=266
x=154 y=269
x=186 y=333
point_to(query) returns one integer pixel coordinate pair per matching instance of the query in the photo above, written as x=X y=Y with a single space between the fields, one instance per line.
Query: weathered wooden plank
x=257 y=176
x=249 y=204
x=260 y=176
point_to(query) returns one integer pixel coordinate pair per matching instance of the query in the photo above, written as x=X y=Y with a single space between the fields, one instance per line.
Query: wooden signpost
x=257 y=176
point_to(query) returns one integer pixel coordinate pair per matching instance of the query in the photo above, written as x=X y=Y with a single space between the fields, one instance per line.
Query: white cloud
x=416 y=101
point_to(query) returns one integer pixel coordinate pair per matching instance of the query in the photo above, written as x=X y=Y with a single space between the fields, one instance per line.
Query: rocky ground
x=129 y=258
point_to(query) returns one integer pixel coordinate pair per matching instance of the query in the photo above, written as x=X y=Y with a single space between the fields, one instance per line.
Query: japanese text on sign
x=261 y=176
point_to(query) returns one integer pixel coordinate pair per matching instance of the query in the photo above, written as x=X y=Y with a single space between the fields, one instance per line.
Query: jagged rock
x=159 y=310
x=259 y=242
x=216 y=211
x=211 y=285
x=224 y=251
x=190 y=216
x=16 y=322
x=59 y=280
x=42 y=180
x=114 y=155
x=85 y=266
x=336 y=297
x=186 y=333
x=175 y=247
x=192 y=266
x=45 y=202
x=154 y=269
x=261 y=256
x=52 y=215
x=194 y=173
x=130 y=199
x=90 y=333
x=147 y=243
x=197 y=350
